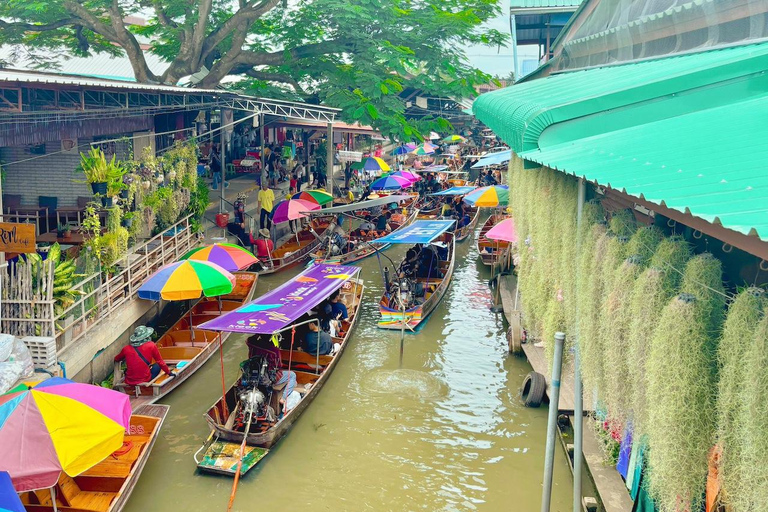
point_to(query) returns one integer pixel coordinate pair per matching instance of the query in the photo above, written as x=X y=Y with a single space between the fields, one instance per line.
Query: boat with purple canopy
x=277 y=322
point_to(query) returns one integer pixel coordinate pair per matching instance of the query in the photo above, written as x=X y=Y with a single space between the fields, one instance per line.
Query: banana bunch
x=64 y=277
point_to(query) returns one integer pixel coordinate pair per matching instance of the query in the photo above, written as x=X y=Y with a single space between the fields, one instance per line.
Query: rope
x=290 y=356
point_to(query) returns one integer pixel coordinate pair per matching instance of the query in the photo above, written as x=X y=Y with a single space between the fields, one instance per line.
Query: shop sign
x=17 y=237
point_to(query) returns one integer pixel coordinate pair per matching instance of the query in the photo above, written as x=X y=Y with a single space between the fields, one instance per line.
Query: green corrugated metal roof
x=520 y=113
x=536 y=4
x=712 y=163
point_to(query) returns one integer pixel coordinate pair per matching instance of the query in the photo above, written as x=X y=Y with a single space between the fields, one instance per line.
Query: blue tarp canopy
x=454 y=191
x=493 y=159
x=420 y=232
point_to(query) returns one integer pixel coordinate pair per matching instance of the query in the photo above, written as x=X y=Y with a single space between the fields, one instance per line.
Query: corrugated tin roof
x=712 y=163
x=15 y=75
x=519 y=114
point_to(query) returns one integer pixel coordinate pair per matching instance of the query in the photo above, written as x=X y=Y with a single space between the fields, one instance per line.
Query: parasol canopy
x=410 y=146
x=357 y=166
x=400 y=150
x=187 y=279
x=9 y=500
x=58 y=425
x=495 y=195
x=320 y=197
x=504 y=231
x=408 y=175
x=230 y=257
x=424 y=149
x=292 y=210
x=454 y=138
x=391 y=183
x=375 y=163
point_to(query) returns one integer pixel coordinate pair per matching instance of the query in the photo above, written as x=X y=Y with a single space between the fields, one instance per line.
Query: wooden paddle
x=249 y=412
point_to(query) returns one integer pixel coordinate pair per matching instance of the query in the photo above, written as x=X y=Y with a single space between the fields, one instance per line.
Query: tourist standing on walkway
x=216 y=166
x=266 y=201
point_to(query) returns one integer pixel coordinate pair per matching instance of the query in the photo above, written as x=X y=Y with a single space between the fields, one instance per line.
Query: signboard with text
x=350 y=156
x=17 y=237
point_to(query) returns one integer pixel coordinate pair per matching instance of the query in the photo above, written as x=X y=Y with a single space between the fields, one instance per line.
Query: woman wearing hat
x=138 y=358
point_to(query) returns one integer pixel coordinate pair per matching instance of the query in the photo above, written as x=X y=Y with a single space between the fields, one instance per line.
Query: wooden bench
x=172 y=355
x=70 y=495
x=297 y=356
x=184 y=338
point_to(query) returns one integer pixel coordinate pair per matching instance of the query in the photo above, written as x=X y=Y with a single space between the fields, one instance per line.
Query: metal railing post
x=554 y=403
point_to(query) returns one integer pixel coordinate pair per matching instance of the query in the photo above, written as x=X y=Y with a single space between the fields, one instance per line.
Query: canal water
x=447 y=431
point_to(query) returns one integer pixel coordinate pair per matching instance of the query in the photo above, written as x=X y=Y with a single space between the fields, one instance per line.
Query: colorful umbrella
x=454 y=138
x=9 y=500
x=400 y=150
x=59 y=425
x=424 y=149
x=488 y=196
x=504 y=231
x=391 y=183
x=292 y=209
x=410 y=176
x=375 y=163
x=410 y=146
x=230 y=257
x=320 y=197
x=357 y=166
x=187 y=279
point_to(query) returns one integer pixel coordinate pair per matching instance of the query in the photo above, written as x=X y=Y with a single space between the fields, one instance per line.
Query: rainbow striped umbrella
x=58 y=425
x=320 y=197
x=375 y=163
x=391 y=183
x=230 y=257
x=187 y=279
x=488 y=196
x=454 y=138
x=9 y=500
x=424 y=149
x=410 y=176
x=292 y=209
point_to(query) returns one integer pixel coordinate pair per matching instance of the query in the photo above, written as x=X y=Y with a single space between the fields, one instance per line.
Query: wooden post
x=329 y=160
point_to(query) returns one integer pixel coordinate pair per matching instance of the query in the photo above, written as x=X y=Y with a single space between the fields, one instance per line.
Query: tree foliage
x=357 y=55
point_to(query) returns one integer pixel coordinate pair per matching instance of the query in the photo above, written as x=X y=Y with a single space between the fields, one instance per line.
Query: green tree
x=359 y=55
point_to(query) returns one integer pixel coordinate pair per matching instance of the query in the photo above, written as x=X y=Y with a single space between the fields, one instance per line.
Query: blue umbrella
x=390 y=183
x=9 y=500
x=400 y=150
x=493 y=159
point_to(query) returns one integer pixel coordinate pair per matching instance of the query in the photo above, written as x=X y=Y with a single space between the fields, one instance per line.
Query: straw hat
x=264 y=232
x=141 y=335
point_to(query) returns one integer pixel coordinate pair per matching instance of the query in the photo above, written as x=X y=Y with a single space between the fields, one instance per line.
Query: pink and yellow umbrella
x=58 y=425
x=230 y=257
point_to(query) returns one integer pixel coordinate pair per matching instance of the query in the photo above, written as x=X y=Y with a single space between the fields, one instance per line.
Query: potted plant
x=115 y=172
x=128 y=219
x=94 y=165
x=64 y=231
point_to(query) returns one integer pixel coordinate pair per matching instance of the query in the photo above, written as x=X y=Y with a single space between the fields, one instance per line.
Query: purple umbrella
x=391 y=183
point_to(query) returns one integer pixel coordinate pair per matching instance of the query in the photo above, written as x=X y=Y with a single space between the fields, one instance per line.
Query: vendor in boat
x=138 y=357
x=262 y=345
x=317 y=341
x=382 y=222
x=338 y=309
x=466 y=220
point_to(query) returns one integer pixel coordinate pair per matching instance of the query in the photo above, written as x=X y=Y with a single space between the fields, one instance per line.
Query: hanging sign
x=17 y=237
x=350 y=156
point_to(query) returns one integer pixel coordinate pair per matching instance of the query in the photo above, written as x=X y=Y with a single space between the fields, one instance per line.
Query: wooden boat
x=364 y=246
x=297 y=248
x=312 y=372
x=492 y=251
x=431 y=289
x=186 y=349
x=463 y=233
x=107 y=486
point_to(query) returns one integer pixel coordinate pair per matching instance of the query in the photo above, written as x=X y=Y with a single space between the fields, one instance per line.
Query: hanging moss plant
x=553 y=321
x=703 y=278
x=681 y=402
x=745 y=477
x=622 y=223
x=673 y=254
x=741 y=323
x=590 y=300
x=617 y=317
x=651 y=292
x=644 y=242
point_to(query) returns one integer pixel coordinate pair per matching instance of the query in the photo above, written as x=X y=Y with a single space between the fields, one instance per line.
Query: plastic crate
x=43 y=350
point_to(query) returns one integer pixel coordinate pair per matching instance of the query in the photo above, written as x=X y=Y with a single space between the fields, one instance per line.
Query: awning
x=282 y=306
x=353 y=207
x=493 y=159
x=454 y=191
x=711 y=163
x=420 y=232
x=521 y=113
x=321 y=126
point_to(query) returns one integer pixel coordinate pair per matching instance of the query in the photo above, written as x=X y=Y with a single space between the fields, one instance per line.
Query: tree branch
x=251 y=11
x=300 y=52
x=34 y=27
x=273 y=77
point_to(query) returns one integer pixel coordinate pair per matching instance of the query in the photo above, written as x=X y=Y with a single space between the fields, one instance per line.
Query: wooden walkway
x=610 y=486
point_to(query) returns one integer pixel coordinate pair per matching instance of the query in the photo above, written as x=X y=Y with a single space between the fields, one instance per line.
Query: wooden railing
x=102 y=294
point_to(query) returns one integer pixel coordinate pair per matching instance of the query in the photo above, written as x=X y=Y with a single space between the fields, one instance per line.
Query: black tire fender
x=534 y=387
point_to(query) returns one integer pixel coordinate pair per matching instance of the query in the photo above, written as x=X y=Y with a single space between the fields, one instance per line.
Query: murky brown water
x=447 y=432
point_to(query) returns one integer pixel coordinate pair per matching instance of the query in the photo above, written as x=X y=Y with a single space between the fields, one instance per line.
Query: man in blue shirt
x=338 y=309
x=317 y=341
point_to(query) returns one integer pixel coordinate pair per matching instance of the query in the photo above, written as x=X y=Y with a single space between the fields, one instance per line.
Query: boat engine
x=402 y=293
x=255 y=385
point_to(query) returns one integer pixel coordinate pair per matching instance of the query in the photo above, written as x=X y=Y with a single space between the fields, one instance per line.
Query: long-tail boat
x=492 y=251
x=185 y=347
x=362 y=245
x=462 y=232
x=297 y=247
x=106 y=486
x=419 y=284
x=251 y=410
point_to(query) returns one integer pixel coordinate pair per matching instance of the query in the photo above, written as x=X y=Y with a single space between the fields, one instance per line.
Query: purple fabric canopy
x=284 y=305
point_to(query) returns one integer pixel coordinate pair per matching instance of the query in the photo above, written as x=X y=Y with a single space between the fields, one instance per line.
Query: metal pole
x=402 y=333
x=223 y=159
x=329 y=160
x=262 y=132
x=578 y=393
x=554 y=401
x=513 y=30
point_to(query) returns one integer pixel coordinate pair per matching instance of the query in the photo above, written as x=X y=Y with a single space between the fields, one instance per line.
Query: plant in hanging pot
x=93 y=165
x=128 y=219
